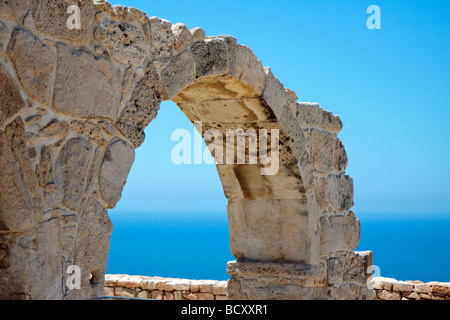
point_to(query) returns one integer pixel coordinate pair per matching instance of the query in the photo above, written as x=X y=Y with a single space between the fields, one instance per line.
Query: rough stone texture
x=392 y=289
x=11 y=101
x=34 y=63
x=142 y=108
x=126 y=286
x=74 y=105
x=86 y=85
x=114 y=171
x=124 y=42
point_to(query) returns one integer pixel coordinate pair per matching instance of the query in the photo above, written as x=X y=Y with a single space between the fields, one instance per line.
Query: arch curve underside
x=74 y=105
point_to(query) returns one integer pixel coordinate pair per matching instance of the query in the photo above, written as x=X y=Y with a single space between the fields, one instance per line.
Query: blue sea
x=196 y=246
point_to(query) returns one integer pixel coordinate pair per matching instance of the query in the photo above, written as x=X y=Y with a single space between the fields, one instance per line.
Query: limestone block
x=85 y=85
x=4 y=36
x=179 y=74
x=11 y=101
x=220 y=288
x=125 y=292
x=423 y=288
x=142 y=107
x=54 y=128
x=337 y=234
x=20 y=208
x=183 y=36
x=322 y=147
x=340 y=157
x=142 y=295
x=331 y=122
x=232 y=48
x=310 y=114
x=13 y=9
x=198 y=33
x=114 y=171
x=442 y=288
x=269 y=230
x=92 y=247
x=402 y=286
x=274 y=93
x=250 y=70
x=390 y=295
x=340 y=191
x=124 y=42
x=71 y=179
x=292 y=100
x=51 y=19
x=162 y=38
x=34 y=63
x=210 y=57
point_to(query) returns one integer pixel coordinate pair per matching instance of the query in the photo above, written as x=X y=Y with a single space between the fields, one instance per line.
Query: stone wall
x=164 y=288
x=391 y=289
x=127 y=286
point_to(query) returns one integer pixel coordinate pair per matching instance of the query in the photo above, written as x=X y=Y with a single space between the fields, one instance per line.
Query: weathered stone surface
x=34 y=63
x=142 y=108
x=211 y=57
x=179 y=74
x=274 y=93
x=92 y=247
x=13 y=9
x=124 y=42
x=269 y=230
x=11 y=101
x=51 y=18
x=19 y=201
x=85 y=85
x=198 y=33
x=322 y=146
x=4 y=34
x=183 y=36
x=55 y=128
x=162 y=38
x=250 y=69
x=114 y=171
x=340 y=191
x=70 y=179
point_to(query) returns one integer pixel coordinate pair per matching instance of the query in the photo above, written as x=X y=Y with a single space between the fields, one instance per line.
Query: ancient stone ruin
x=74 y=103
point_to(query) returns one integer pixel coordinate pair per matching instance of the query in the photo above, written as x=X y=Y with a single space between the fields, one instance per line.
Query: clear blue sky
x=391 y=88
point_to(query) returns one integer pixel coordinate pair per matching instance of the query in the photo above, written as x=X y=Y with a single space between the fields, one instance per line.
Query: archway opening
x=172 y=219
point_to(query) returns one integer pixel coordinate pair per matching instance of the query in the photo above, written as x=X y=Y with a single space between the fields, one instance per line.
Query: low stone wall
x=391 y=289
x=127 y=286
x=164 y=288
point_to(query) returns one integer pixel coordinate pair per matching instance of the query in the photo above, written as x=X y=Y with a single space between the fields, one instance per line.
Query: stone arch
x=76 y=104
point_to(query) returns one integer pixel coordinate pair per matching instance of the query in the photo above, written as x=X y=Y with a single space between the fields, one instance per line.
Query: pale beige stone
x=11 y=101
x=183 y=36
x=199 y=33
x=274 y=93
x=34 y=63
x=124 y=42
x=116 y=166
x=249 y=69
x=179 y=74
x=85 y=85
x=143 y=294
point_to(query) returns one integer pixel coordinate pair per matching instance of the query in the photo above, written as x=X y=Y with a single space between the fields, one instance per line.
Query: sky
x=390 y=87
